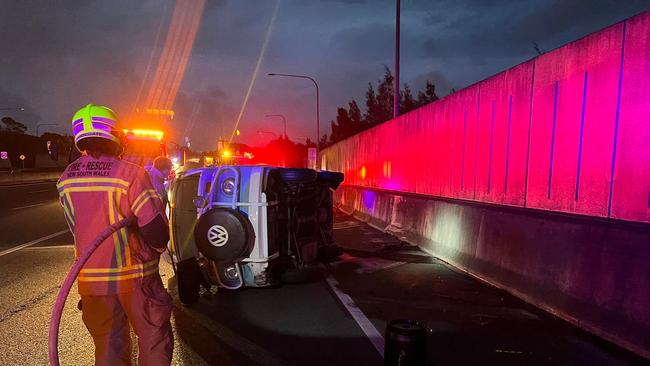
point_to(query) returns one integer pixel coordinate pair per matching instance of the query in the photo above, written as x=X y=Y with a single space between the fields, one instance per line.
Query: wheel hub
x=217 y=235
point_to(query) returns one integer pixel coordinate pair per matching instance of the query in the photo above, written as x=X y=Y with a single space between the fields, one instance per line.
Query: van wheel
x=297 y=175
x=188 y=276
x=334 y=179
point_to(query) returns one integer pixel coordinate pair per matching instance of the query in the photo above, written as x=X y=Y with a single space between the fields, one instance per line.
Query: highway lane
x=29 y=212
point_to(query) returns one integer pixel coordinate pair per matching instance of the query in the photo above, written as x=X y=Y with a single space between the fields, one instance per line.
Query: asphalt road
x=331 y=322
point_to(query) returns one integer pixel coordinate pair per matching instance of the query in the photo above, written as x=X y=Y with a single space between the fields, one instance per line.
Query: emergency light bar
x=145 y=134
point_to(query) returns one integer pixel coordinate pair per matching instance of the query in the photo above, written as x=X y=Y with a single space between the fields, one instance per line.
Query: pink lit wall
x=567 y=131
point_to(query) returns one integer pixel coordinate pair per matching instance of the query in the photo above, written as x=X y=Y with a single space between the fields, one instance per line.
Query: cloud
x=29 y=117
x=63 y=56
x=474 y=30
x=58 y=56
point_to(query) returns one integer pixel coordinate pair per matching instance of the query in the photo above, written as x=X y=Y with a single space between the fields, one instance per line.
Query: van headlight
x=228 y=186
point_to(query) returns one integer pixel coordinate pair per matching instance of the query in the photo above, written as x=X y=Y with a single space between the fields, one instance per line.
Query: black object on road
x=405 y=343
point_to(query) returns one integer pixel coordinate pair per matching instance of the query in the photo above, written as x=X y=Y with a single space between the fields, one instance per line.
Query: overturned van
x=249 y=226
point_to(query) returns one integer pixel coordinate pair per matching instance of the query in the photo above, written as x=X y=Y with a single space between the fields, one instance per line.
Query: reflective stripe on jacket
x=95 y=193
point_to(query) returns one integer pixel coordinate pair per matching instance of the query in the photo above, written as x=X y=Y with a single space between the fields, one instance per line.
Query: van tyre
x=297 y=175
x=333 y=179
x=189 y=278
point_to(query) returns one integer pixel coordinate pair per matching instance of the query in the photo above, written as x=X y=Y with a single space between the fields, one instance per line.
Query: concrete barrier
x=591 y=272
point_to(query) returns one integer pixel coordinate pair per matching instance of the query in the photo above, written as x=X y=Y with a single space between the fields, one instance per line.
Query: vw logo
x=218 y=235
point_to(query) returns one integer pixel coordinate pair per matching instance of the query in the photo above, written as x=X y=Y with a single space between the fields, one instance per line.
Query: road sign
x=22 y=157
x=4 y=155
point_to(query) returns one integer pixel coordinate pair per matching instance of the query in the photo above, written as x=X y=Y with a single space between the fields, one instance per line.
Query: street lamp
x=317 y=100
x=283 y=120
x=12 y=109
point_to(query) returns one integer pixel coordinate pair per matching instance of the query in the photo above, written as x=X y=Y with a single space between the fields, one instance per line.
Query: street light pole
x=12 y=109
x=284 y=120
x=317 y=100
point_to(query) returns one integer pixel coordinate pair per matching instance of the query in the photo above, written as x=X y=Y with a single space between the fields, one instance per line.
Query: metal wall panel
x=631 y=190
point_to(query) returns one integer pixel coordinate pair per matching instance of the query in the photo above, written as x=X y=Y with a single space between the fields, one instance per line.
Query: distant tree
x=385 y=97
x=429 y=95
x=379 y=107
x=324 y=142
x=372 y=107
x=309 y=143
x=407 y=103
x=13 y=125
x=343 y=127
x=354 y=113
x=430 y=90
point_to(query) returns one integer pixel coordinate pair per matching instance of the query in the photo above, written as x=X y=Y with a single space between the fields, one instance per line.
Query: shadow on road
x=288 y=325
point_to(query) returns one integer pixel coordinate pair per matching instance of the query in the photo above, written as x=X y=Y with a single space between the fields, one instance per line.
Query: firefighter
x=159 y=172
x=119 y=285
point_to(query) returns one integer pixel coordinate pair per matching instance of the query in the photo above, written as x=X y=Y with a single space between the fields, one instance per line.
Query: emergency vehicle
x=143 y=146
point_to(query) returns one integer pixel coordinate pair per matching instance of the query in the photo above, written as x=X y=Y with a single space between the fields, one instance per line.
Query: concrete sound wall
x=568 y=131
x=593 y=273
x=536 y=180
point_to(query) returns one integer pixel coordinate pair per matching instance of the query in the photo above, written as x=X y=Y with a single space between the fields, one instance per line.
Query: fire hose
x=57 y=311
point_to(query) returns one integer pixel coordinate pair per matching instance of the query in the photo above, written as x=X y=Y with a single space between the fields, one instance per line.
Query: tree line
x=351 y=120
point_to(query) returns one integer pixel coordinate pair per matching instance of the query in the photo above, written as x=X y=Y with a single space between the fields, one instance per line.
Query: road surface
x=339 y=320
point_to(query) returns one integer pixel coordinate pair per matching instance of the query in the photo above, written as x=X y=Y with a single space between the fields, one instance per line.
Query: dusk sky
x=57 y=56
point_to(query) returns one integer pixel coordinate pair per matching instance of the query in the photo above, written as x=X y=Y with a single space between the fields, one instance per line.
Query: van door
x=183 y=217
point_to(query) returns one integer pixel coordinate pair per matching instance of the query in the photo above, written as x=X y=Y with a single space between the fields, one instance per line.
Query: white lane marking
x=362 y=320
x=28 y=206
x=63 y=246
x=36 y=241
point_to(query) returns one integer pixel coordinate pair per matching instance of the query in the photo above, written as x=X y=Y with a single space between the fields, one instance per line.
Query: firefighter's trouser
x=147 y=309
